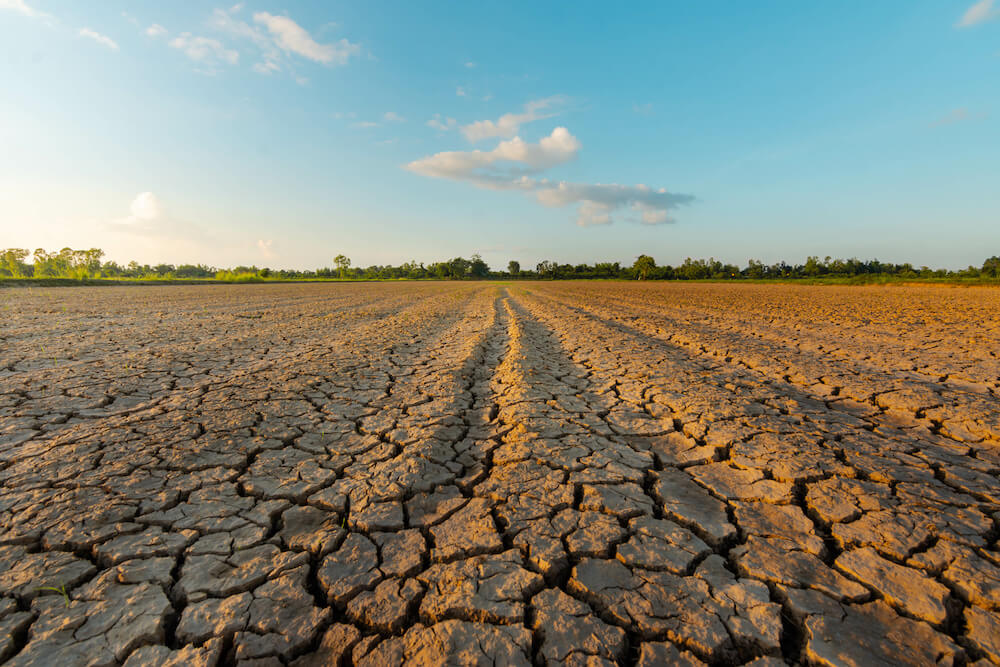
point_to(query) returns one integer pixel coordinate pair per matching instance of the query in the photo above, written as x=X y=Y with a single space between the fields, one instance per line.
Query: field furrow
x=476 y=473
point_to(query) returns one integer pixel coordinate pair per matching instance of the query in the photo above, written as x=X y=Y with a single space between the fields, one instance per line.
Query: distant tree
x=546 y=269
x=991 y=267
x=478 y=268
x=12 y=262
x=342 y=263
x=513 y=267
x=440 y=270
x=458 y=268
x=643 y=266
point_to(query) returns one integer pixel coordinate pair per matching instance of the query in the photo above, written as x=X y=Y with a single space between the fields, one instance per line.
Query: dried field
x=579 y=473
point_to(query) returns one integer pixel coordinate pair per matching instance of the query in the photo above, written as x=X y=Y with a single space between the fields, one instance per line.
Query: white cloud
x=146 y=215
x=512 y=164
x=276 y=38
x=146 y=207
x=364 y=124
x=204 y=49
x=650 y=215
x=223 y=20
x=470 y=64
x=460 y=91
x=597 y=201
x=509 y=124
x=99 y=38
x=266 y=248
x=980 y=12
x=293 y=38
x=443 y=124
x=148 y=218
x=156 y=30
x=482 y=168
x=392 y=117
x=21 y=7
x=643 y=109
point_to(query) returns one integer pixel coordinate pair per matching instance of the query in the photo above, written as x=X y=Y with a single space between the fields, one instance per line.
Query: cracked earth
x=478 y=474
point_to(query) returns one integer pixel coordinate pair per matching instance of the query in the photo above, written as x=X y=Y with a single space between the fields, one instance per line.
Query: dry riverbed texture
x=471 y=473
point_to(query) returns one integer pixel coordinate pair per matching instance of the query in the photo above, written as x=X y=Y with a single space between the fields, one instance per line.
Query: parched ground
x=470 y=473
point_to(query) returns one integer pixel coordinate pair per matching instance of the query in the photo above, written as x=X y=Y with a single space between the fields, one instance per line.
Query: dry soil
x=548 y=473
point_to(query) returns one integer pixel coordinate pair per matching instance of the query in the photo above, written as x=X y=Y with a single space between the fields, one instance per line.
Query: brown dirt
x=547 y=473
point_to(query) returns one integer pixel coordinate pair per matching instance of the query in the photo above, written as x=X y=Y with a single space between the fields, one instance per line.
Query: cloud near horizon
x=146 y=216
x=513 y=164
x=146 y=206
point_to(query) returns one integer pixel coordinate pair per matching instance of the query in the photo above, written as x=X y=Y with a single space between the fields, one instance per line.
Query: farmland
x=547 y=472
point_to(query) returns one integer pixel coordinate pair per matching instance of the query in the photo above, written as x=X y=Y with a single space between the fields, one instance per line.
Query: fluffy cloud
x=512 y=165
x=204 y=49
x=148 y=218
x=99 y=38
x=509 y=124
x=980 y=12
x=491 y=169
x=392 y=117
x=146 y=207
x=266 y=248
x=293 y=38
x=146 y=215
x=156 y=30
x=597 y=201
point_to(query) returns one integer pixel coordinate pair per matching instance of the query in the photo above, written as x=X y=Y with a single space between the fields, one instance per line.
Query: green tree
x=458 y=268
x=545 y=269
x=478 y=268
x=342 y=263
x=643 y=266
x=514 y=267
x=12 y=262
x=991 y=267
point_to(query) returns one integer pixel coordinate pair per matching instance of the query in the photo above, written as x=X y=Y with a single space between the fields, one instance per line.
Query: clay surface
x=482 y=474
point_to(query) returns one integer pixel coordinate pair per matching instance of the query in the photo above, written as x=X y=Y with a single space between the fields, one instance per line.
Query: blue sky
x=283 y=133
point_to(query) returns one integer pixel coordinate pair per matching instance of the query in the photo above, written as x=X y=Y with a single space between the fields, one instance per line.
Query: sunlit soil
x=503 y=474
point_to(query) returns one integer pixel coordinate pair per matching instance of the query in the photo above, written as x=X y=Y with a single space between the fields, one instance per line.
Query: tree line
x=89 y=264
